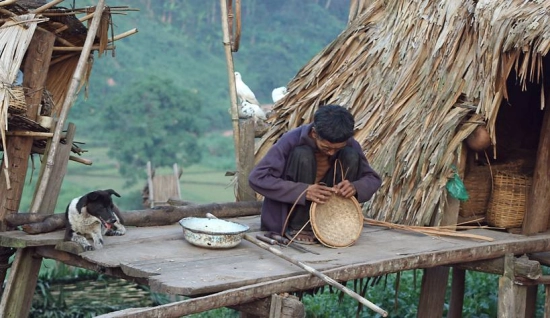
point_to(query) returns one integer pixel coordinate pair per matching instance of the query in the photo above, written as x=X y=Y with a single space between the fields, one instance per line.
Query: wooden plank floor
x=174 y=266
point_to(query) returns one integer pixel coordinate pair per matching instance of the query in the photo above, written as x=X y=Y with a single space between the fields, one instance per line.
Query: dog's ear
x=92 y=196
x=111 y=192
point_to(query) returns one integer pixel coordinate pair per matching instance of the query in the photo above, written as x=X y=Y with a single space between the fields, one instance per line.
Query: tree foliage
x=153 y=121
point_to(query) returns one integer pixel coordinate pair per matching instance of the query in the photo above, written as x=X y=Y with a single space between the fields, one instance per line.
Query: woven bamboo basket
x=337 y=223
x=478 y=185
x=17 y=105
x=508 y=199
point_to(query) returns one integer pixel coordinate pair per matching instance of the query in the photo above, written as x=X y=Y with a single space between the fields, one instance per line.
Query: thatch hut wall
x=419 y=77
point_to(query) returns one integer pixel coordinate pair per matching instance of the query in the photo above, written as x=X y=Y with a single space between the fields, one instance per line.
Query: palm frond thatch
x=418 y=76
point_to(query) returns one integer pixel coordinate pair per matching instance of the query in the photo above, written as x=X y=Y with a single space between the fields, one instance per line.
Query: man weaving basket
x=309 y=164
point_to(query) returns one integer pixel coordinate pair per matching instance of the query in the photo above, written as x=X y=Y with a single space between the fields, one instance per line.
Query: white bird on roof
x=278 y=93
x=249 y=110
x=243 y=91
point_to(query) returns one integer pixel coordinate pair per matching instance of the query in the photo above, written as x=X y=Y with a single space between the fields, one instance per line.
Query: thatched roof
x=418 y=76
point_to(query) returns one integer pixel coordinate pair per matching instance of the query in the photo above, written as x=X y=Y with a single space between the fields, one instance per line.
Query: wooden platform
x=172 y=265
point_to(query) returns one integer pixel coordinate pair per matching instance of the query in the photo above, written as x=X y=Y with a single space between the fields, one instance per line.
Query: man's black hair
x=333 y=123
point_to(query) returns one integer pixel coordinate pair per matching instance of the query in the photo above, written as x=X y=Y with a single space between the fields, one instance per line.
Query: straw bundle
x=417 y=75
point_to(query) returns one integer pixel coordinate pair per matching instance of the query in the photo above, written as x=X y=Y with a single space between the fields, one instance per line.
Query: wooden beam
x=16 y=299
x=77 y=261
x=246 y=160
x=432 y=297
x=511 y=297
x=434 y=280
x=537 y=208
x=34 y=223
x=59 y=170
x=457 y=293
x=523 y=267
x=276 y=306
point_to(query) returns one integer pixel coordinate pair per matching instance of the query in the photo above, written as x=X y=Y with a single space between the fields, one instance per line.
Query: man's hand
x=319 y=193
x=345 y=189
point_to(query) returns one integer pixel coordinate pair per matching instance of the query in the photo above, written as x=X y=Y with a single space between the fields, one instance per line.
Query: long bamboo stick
x=231 y=76
x=46 y=6
x=320 y=275
x=313 y=271
x=69 y=100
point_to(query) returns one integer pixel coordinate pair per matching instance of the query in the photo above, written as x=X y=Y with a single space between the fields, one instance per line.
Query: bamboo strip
x=436 y=231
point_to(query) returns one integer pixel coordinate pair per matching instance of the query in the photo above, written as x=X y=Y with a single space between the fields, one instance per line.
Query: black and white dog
x=92 y=216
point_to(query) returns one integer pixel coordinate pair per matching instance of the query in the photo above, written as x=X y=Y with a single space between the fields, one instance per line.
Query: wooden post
x=231 y=76
x=432 y=297
x=546 y=301
x=434 y=280
x=511 y=297
x=457 y=293
x=59 y=170
x=538 y=209
x=246 y=160
x=17 y=297
x=276 y=306
x=19 y=147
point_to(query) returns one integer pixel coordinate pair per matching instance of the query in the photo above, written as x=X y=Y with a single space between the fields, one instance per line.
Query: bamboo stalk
x=7 y=2
x=78 y=48
x=231 y=75
x=69 y=100
x=123 y=35
x=318 y=274
x=30 y=133
x=46 y=6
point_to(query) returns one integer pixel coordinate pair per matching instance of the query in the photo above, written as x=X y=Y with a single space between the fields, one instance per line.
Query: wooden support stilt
x=59 y=170
x=432 y=297
x=19 y=147
x=523 y=267
x=17 y=297
x=434 y=280
x=546 y=301
x=457 y=293
x=531 y=301
x=511 y=297
x=246 y=160
x=538 y=210
x=276 y=306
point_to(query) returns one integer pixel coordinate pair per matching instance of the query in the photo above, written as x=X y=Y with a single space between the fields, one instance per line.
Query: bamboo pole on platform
x=231 y=77
x=67 y=104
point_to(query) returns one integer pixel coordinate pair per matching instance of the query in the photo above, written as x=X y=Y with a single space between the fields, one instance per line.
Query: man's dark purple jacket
x=280 y=195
